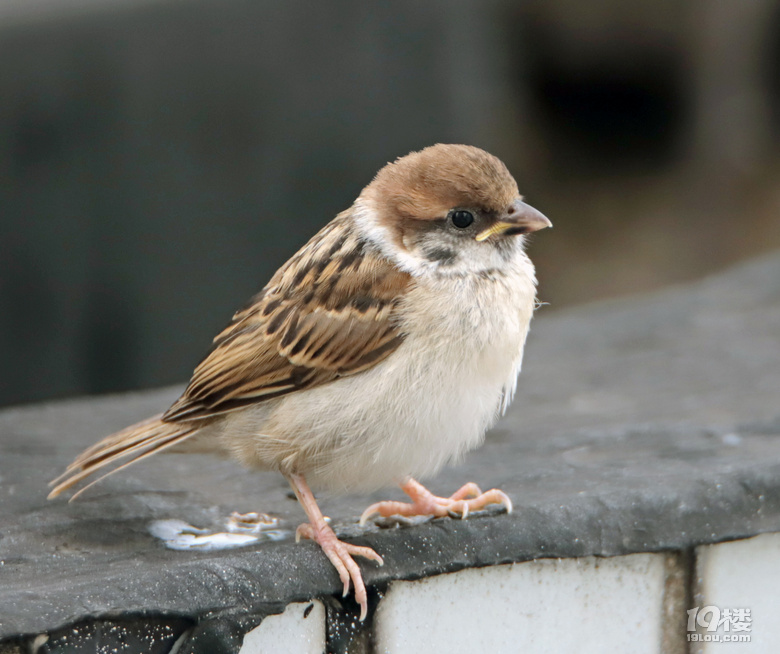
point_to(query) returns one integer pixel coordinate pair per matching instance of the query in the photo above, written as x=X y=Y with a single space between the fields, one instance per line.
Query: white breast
x=426 y=404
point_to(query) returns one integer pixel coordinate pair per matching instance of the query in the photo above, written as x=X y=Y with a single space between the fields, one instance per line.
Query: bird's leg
x=468 y=498
x=339 y=552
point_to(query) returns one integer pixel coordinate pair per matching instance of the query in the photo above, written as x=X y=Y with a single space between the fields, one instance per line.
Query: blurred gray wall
x=159 y=160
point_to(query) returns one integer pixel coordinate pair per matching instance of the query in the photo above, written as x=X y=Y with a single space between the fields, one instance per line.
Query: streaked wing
x=329 y=311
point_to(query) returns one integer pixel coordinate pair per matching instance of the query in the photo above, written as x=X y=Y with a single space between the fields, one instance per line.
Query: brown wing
x=329 y=311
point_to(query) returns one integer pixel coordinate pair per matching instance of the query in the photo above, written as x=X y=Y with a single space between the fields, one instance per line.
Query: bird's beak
x=519 y=218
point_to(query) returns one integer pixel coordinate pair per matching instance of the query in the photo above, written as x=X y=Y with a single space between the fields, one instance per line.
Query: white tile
x=289 y=632
x=742 y=574
x=551 y=605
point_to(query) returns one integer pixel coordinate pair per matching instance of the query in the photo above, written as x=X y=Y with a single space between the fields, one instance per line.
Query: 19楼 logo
x=710 y=624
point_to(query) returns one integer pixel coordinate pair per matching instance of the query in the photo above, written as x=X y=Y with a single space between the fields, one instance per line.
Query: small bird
x=382 y=350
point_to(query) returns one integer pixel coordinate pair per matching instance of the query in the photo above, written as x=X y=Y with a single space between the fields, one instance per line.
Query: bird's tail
x=135 y=442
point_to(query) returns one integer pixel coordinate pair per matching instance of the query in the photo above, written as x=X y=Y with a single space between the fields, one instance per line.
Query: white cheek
x=368 y=223
x=470 y=257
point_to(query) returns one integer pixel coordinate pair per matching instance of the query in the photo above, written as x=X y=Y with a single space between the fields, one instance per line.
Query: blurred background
x=160 y=159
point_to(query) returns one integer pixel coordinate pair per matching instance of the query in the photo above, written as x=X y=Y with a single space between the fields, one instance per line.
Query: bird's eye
x=462 y=218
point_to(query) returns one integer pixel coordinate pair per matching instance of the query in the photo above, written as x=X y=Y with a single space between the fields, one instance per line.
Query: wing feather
x=330 y=311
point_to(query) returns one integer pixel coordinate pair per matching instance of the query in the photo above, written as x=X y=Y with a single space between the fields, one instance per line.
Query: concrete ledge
x=642 y=426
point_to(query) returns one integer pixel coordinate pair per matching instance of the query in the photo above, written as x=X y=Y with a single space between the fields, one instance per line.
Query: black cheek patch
x=445 y=256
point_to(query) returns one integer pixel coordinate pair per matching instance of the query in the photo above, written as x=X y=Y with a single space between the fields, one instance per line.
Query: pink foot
x=339 y=552
x=426 y=503
x=340 y=555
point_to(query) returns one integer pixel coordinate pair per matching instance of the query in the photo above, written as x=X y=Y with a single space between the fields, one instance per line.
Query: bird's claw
x=340 y=555
x=466 y=499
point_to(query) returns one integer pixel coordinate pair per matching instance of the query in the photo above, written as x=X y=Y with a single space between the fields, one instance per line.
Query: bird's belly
x=409 y=417
x=425 y=405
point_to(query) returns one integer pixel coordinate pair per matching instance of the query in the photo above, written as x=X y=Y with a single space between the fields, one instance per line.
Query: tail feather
x=137 y=441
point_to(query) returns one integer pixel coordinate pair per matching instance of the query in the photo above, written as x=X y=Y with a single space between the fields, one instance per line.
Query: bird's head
x=454 y=208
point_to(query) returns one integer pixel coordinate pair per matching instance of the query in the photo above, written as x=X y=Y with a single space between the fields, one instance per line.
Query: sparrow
x=381 y=351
